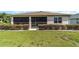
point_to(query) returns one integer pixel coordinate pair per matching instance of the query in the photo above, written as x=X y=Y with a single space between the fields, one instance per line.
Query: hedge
x=41 y=27
x=58 y=27
x=14 y=27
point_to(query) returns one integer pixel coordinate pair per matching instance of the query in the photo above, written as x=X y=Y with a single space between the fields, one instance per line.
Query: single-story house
x=40 y=17
x=74 y=19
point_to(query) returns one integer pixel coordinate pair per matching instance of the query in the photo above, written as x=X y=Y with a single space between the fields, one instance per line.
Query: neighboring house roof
x=41 y=13
x=74 y=16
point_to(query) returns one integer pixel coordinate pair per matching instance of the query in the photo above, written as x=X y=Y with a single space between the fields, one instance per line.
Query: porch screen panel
x=21 y=20
x=42 y=20
x=39 y=20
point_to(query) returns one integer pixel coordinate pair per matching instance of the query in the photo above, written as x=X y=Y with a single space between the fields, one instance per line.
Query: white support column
x=30 y=23
x=12 y=20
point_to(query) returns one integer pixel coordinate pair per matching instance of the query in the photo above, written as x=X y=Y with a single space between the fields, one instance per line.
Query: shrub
x=72 y=27
x=58 y=27
x=14 y=27
x=51 y=27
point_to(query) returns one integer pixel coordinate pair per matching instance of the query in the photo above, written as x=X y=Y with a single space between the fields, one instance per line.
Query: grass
x=39 y=39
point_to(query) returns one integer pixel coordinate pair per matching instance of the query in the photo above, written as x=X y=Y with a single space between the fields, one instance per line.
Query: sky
x=15 y=6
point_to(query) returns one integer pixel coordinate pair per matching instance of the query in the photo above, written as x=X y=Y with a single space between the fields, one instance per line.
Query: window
x=60 y=19
x=57 y=19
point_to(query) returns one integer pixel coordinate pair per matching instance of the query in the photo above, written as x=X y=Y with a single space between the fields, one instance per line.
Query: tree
x=5 y=18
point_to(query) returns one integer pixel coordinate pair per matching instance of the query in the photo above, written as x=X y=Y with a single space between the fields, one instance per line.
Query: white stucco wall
x=50 y=20
x=65 y=19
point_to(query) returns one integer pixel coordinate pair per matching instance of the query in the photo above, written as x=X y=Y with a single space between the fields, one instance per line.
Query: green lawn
x=39 y=38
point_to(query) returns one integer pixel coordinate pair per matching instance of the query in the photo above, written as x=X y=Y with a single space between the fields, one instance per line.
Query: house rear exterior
x=74 y=19
x=33 y=19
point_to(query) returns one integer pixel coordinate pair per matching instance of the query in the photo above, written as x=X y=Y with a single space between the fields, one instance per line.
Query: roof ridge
x=41 y=13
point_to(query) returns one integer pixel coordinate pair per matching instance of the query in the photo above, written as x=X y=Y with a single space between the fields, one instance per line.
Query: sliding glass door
x=38 y=20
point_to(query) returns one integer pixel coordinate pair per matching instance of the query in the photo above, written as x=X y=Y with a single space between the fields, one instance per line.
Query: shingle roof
x=43 y=13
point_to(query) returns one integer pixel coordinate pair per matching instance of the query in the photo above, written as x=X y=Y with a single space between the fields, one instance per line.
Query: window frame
x=57 y=20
